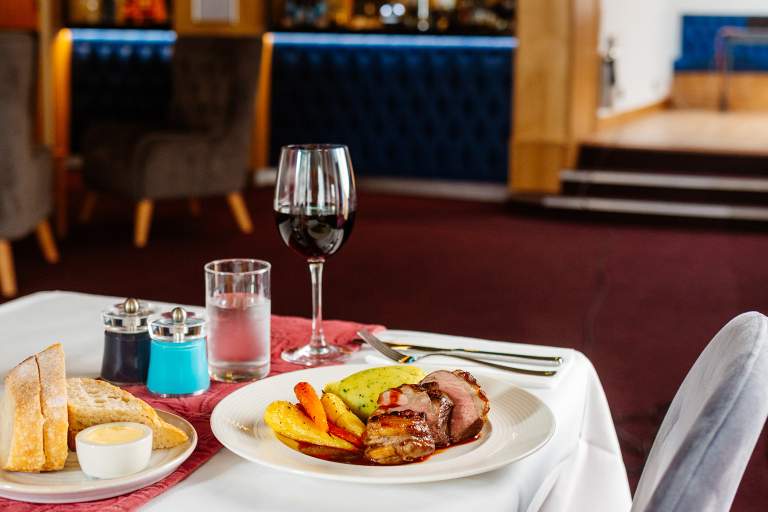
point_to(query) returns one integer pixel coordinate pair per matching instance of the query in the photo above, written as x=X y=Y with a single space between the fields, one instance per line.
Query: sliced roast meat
x=470 y=405
x=406 y=397
x=479 y=397
x=397 y=437
x=427 y=399
x=442 y=405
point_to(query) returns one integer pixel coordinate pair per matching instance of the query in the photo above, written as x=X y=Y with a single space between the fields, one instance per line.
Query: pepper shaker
x=126 y=342
x=178 y=362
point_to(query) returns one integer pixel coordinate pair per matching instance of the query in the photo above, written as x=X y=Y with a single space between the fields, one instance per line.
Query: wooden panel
x=585 y=25
x=50 y=39
x=18 y=14
x=696 y=90
x=745 y=90
x=260 y=147
x=547 y=161
x=541 y=71
x=252 y=20
x=555 y=90
x=62 y=58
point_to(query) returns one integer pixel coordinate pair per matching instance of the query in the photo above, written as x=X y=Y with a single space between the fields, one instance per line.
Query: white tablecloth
x=579 y=469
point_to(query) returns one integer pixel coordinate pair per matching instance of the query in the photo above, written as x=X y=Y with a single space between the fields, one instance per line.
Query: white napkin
x=426 y=339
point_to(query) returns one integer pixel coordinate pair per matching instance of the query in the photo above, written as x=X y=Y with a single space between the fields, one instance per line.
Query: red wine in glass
x=317 y=234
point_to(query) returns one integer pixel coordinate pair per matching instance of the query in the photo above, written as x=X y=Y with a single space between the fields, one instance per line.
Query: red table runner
x=287 y=332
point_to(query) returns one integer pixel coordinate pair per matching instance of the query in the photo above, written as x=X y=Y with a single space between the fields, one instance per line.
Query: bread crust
x=93 y=402
x=23 y=434
x=53 y=385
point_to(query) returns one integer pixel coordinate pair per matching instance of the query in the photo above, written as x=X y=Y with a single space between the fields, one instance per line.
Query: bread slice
x=21 y=425
x=93 y=402
x=53 y=386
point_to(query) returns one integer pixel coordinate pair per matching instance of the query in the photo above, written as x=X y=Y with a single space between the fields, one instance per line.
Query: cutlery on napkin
x=444 y=341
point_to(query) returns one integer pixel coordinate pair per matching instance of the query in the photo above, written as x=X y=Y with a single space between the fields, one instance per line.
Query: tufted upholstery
x=118 y=79
x=203 y=146
x=25 y=168
x=699 y=35
x=710 y=430
x=407 y=110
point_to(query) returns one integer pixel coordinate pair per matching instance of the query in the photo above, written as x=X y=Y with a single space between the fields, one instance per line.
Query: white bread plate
x=71 y=485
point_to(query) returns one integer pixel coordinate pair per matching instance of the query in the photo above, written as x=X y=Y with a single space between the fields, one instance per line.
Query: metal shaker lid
x=177 y=325
x=129 y=316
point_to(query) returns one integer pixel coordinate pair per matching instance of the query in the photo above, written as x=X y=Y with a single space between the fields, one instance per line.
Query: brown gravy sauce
x=358 y=457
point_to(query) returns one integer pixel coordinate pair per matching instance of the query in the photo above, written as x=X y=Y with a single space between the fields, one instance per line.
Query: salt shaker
x=126 y=342
x=178 y=363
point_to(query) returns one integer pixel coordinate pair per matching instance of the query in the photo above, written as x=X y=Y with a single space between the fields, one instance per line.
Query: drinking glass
x=315 y=203
x=238 y=304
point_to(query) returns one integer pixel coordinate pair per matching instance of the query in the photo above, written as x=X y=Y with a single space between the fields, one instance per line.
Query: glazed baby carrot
x=311 y=404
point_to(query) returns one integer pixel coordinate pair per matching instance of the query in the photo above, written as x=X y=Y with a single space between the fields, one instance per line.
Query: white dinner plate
x=518 y=425
x=71 y=485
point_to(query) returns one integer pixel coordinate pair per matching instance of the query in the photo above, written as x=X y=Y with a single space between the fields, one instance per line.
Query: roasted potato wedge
x=322 y=452
x=287 y=441
x=338 y=412
x=287 y=420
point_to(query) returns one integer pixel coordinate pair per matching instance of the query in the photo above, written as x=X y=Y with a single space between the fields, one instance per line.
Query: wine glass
x=315 y=203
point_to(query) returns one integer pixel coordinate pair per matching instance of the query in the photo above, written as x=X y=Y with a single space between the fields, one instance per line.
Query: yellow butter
x=114 y=434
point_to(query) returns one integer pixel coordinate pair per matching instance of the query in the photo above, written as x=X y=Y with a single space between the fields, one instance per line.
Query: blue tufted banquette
x=699 y=34
x=119 y=75
x=407 y=106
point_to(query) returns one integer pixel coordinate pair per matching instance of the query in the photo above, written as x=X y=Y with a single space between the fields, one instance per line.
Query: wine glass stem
x=317 y=341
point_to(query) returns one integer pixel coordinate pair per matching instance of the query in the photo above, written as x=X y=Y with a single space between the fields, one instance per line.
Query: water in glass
x=238 y=338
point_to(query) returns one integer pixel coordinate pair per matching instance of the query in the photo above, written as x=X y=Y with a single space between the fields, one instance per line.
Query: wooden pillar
x=62 y=97
x=54 y=52
x=555 y=90
x=260 y=146
x=46 y=30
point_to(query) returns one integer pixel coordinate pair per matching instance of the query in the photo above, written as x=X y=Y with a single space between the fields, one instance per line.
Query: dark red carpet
x=640 y=301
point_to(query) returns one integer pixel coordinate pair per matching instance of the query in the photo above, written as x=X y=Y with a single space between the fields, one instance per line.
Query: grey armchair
x=25 y=167
x=203 y=150
x=710 y=430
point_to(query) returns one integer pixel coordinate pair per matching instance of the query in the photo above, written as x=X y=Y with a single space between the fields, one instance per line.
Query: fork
x=394 y=355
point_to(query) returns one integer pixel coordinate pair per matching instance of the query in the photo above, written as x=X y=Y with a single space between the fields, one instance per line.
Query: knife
x=531 y=359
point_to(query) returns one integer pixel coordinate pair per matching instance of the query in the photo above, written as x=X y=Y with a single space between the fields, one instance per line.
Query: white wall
x=721 y=6
x=643 y=33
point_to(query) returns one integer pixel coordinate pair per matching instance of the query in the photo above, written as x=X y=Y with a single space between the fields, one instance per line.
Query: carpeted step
x=681 y=162
x=672 y=187
x=657 y=208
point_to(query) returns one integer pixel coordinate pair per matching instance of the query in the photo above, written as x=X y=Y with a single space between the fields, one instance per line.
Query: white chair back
x=710 y=430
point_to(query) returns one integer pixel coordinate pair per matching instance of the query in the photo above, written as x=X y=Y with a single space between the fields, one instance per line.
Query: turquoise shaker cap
x=177 y=326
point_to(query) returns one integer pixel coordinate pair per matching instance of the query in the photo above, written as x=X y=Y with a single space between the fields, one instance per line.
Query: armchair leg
x=7 y=272
x=240 y=212
x=142 y=222
x=89 y=203
x=47 y=243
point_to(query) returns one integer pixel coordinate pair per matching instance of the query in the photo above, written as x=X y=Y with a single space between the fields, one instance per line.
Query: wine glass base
x=310 y=356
